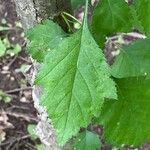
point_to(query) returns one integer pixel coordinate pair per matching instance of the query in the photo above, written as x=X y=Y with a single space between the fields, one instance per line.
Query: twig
x=13 y=60
x=27 y=61
x=20 y=115
x=23 y=137
x=18 y=90
x=16 y=139
x=9 y=95
x=30 y=146
x=17 y=107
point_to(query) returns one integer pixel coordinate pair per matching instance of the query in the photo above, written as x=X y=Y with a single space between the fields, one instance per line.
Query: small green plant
x=7 y=48
x=40 y=147
x=31 y=131
x=4 y=97
x=87 y=141
x=80 y=87
x=2 y=48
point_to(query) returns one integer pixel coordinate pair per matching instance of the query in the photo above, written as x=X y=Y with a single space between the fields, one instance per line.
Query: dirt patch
x=16 y=115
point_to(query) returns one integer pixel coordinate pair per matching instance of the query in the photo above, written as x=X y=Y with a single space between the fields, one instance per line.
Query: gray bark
x=51 y=8
x=44 y=129
x=26 y=12
x=33 y=11
x=30 y=13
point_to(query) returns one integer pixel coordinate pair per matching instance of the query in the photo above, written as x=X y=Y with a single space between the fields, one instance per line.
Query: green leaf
x=127 y=121
x=76 y=79
x=87 y=141
x=7 y=43
x=142 y=9
x=17 y=49
x=2 y=48
x=14 y=49
x=76 y=3
x=110 y=16
x=44 y=37
x=135 y=20
x=40 y=147
x=4 y=97
x=133 y=60
x=31 y=131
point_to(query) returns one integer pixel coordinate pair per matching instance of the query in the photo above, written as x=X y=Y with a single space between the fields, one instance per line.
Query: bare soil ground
x=16 y=115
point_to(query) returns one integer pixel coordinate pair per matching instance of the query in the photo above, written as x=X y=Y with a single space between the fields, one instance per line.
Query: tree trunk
x=33 y=11
x=30 y=13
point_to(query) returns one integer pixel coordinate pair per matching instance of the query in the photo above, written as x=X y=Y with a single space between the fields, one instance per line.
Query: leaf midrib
x=71 y=95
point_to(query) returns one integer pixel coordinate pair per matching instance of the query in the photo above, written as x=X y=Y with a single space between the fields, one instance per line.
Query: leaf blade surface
x=76 y=79
x=44 y=37
x=133 y=60
x=126 y=121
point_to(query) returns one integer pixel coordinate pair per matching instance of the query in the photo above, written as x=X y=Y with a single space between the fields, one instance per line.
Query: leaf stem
x=86 y=11
x=67 y=22
x=65 y=13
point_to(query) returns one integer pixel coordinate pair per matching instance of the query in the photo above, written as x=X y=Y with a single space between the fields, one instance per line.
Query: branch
x=18 y=90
